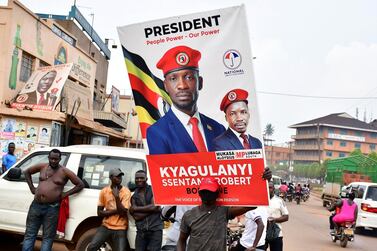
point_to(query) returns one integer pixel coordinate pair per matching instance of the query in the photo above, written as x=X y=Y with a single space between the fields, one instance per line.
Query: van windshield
x=372 y=193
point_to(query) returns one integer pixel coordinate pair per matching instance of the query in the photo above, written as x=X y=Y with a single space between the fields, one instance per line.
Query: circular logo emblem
x=232 y=96
x=54 y=91
x=232 y=59
x=182 y=58
x=22 y=98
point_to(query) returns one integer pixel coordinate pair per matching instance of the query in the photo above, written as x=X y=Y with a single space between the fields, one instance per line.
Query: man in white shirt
x=277 y=213
x=253 y=238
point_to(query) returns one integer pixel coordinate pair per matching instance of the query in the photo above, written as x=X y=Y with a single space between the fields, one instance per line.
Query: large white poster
x=43 y=88
x=193 y=84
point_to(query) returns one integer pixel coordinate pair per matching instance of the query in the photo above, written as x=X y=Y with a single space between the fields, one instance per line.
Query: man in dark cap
x=234 y=104
x=206 y=224
x=183 y=129
x=113 y=205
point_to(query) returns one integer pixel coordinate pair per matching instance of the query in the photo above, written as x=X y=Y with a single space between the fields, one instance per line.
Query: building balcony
x=307 y=136
x=305 y=157
x=110 y=119
x=307 y=147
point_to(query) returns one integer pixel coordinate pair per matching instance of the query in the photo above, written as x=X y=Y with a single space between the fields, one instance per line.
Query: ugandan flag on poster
x=151 y=99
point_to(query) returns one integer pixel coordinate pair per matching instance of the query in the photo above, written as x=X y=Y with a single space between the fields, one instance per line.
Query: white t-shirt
x=248 y=236
x=276 y=209
x=174 y=230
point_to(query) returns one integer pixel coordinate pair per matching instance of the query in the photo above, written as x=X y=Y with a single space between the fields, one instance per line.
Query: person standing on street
x=206 y=224
x=277 y=214
x=44 y=210
x=147 y=216
x=9 y=159
x=113 y=205
x=253 y=238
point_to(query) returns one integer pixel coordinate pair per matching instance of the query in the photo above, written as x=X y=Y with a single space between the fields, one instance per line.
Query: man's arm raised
x=79 y=185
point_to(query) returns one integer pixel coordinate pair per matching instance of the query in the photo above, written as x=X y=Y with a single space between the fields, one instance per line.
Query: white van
x=366 y=200
x=91 y=164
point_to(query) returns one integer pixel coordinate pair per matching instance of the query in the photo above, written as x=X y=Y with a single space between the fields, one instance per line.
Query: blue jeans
x=45 y=215
x=103 y=234
x=148 y=240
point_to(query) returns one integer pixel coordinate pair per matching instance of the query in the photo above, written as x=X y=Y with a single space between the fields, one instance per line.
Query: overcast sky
x=324 y=48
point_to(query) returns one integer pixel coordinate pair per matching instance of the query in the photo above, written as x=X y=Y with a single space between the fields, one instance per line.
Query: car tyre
x=359 y=230
x=86 y=238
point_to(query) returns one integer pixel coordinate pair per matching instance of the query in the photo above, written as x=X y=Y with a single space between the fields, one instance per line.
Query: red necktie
x=197 y=136
x=246 y=144
x=41 y=99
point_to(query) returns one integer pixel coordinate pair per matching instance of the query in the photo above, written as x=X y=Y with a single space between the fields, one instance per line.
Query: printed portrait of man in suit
x=237 y=114
x=183 y=129
x=43 y=95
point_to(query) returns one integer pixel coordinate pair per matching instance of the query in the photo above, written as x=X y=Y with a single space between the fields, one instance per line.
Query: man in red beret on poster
x=234 y=104
x=183 y=129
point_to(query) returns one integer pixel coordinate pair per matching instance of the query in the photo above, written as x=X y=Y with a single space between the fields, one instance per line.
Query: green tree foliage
x=373 y=155
x=356 y=152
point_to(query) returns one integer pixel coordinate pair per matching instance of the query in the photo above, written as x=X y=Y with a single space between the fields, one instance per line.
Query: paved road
x=307 y=229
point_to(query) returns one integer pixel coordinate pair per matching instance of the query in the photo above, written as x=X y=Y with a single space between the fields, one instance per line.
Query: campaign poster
x=20 y=128
x=42 y=90
x=8 y=128
x=193 y=85
x=44 y=134
x=32 y=132
x=115 y=93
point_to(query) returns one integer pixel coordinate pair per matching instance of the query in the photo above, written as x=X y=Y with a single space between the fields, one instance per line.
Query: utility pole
x=319 y=145
x=91 y=35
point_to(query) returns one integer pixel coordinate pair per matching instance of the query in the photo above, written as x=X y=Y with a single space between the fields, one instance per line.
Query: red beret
x=209 y=183
x=179 y=58
x=232 y=96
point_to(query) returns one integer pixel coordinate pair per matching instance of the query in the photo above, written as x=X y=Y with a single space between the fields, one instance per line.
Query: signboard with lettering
x=193 y=85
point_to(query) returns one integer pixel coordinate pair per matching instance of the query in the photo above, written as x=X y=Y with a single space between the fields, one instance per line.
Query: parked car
x=366 y=200
x=92 y=165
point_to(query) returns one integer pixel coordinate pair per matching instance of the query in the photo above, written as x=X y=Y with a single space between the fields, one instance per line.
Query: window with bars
x=26 y=66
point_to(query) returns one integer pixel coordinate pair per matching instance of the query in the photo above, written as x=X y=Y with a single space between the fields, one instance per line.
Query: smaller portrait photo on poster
x=20 y=128
x=44 y=135
x=28 y=146
x=31 y=133
x=8 y=128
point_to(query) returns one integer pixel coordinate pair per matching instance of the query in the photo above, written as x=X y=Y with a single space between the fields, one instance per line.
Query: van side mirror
x=14 y=173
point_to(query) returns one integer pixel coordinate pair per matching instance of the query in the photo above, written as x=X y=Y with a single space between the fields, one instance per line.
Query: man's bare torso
x=51 y=184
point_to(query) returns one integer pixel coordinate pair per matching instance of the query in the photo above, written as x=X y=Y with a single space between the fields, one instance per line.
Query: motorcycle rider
x=305 y=191
x=298 y=190
x=283 y=190
x=348 y=211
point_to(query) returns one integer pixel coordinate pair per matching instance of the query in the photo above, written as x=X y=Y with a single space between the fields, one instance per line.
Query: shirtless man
x=44 y=210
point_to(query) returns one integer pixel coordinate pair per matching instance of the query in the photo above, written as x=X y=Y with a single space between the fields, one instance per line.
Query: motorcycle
x=289 y=197
x=305 y=196
x=232 y=237
x=344 y=234
x=298 y=198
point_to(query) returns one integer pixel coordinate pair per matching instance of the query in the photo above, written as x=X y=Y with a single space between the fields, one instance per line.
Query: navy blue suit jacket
x=168 y=135
x=229 y=141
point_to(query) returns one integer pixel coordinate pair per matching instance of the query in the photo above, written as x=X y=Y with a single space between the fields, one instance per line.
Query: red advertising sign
x=176 y=180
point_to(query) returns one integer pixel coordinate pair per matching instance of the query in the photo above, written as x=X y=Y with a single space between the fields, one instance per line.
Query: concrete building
x=29 y=41
x=278 y=155
x=125 y=110
x=332 y=136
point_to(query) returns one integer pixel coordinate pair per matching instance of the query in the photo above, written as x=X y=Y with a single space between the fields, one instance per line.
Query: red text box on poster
x=176 y=178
